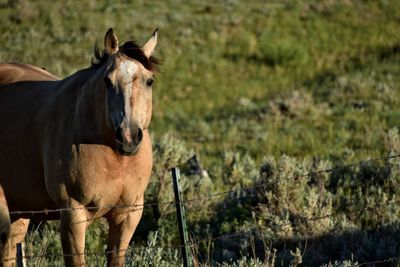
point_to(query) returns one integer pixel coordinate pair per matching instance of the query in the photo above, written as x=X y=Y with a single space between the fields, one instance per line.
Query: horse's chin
x=125 y=150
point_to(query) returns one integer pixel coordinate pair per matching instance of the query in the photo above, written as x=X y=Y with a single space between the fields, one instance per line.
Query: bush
x=275 y=49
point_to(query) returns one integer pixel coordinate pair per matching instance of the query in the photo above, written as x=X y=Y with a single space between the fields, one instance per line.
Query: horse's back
x=23 y=87
x=13 y=72
x=24 y=90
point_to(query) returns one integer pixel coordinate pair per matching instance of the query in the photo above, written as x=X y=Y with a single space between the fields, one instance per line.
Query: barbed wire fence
x=233 y=193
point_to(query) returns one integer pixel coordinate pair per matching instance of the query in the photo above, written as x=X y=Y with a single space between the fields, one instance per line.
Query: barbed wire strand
x=296 y=177
x=304 y=219
x=373 y=263
x=224 y=236
x=88 y=253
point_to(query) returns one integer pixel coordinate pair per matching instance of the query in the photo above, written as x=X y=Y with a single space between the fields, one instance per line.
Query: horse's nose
x=128 y=140
x=130 y=136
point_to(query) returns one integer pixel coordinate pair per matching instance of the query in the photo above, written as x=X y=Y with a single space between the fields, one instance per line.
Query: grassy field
x=258 y=91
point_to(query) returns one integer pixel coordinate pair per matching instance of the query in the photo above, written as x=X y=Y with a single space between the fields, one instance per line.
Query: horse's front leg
x=73 y=226
x=17 y=235
x=122 y=224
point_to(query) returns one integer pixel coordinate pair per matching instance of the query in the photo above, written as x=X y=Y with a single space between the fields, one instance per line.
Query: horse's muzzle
x=128 y=141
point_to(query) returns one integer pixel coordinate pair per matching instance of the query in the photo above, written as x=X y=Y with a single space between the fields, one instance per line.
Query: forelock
x=134 y=51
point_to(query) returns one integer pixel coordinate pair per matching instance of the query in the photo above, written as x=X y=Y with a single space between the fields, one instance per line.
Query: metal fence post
x=21 y=262
x=180 y=213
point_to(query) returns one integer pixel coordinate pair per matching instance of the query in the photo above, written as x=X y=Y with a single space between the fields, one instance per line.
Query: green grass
x=240 y=82
x=224 y=58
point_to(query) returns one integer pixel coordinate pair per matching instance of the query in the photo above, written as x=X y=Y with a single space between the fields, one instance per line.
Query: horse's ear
x=110 y=42
x=148 y=48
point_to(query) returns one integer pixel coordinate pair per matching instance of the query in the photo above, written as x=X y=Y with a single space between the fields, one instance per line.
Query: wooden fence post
x=180 y=213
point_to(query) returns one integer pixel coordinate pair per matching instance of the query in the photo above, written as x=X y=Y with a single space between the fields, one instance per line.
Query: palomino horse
x=79 y=145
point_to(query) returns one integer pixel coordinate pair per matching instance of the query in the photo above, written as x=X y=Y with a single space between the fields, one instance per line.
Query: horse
x=79 y=148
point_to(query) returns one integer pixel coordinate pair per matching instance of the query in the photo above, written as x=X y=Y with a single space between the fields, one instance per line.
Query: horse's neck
x=81 y=104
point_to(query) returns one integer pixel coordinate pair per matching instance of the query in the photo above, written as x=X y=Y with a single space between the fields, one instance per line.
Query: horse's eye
x=149 y=82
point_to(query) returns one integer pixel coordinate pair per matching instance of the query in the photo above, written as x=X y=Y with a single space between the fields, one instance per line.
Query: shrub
x=275 y=49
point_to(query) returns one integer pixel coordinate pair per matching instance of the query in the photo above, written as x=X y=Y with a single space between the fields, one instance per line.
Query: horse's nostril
x=139 y=136
x=118 y=135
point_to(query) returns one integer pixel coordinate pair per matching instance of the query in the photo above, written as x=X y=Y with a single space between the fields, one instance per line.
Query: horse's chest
x=97 y=175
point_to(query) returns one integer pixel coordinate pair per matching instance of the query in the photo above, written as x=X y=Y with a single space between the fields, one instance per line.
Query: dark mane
x=99 y=58
x=129 y=49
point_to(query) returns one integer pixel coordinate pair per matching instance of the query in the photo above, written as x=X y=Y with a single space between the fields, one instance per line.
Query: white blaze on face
x=137 y=97
x=127 y=71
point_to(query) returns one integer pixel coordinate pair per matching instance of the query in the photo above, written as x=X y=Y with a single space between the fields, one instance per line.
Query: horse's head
x=128 y=79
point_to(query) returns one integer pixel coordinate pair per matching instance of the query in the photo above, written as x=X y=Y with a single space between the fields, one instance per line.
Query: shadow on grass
x=358 y=62
x=378 y=247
